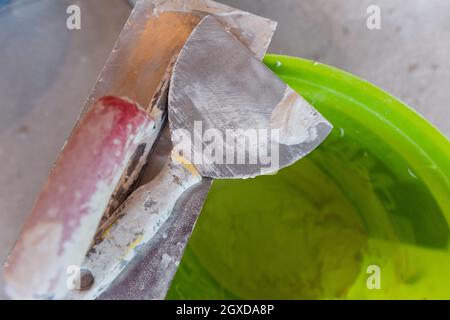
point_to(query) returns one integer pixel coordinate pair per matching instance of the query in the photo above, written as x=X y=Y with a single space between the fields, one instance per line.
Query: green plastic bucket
x=366 y=215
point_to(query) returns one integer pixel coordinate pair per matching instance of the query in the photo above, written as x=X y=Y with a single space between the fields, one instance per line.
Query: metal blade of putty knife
x=221 y=91
x=222 y=101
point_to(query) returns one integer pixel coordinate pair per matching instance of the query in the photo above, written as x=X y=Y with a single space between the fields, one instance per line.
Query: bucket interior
x=372 y=200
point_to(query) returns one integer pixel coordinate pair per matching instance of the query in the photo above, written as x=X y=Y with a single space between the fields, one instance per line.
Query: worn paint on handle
x=140 y=218
x=63 y=221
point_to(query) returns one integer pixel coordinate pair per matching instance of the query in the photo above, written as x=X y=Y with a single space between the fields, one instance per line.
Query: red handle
x=64 y=219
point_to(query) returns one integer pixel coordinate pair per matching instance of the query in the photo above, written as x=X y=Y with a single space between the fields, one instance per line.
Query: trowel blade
x=241 y=120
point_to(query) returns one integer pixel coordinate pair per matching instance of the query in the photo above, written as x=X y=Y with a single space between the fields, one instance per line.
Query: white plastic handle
x=141 y=216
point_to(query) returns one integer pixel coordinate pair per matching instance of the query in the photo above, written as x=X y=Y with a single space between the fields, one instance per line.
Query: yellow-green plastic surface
x=369 y=207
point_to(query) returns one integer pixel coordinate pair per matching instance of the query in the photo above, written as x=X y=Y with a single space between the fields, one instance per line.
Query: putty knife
x=219 y=83
x=142 y=216
x=138 y=69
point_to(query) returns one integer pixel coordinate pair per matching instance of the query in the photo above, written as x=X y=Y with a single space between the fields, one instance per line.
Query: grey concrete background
x=47 y=71
x=408 y=57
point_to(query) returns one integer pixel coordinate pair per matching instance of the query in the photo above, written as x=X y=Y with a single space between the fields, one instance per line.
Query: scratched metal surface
x=48 y=71
x=219 y=83
x=149 y=275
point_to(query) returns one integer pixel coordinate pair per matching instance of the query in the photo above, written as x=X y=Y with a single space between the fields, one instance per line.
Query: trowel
x=229 y=117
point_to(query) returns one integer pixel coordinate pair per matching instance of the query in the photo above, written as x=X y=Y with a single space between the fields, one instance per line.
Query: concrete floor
x=408 y=57
x=48 y=71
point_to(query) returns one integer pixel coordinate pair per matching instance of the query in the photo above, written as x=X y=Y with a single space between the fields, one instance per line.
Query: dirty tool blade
x=218 y=86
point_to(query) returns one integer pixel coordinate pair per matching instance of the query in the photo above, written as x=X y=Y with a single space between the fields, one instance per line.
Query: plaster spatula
x=218 y=90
